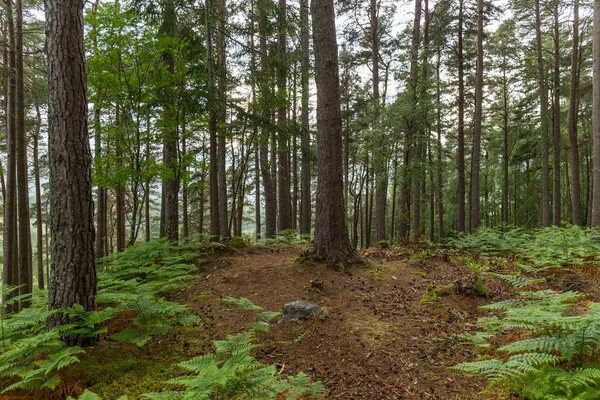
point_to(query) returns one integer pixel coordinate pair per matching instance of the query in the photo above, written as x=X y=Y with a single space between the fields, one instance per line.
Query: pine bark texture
x=306 y=209
x=73 y=266
x=572 y=120
x=556 y=141
x=331 y=234
x=545 y=190
x=596 y=118
x=461 y=122
x=476 y=158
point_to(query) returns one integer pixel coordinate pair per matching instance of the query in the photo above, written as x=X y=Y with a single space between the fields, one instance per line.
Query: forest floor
x=389 y=328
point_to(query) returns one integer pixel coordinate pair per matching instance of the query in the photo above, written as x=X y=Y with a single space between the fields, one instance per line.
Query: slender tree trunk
x=305 y=133
x=73 y=276
x=413 y=132
x=556 y=140
x=380 y=163
x=572 y=119
x=10 y=272
x=266 y=136
x=221 y=118
x=285 y=197
x=440 y=177
x=461 y=122
x=120 y=189
x=545 y=205
x=38 y=201
x=212 y=126
x=476 y=158
x=505 y=145
x=331 y=233
x=184 y=186
x=170 y=140
x=596 y=117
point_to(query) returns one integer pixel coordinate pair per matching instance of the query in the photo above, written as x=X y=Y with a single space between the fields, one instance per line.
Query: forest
x=258 y=199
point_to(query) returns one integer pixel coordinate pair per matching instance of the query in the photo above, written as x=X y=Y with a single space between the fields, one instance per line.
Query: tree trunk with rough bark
x=461 y=122
x=221 y=77
x=596 y=118
x=38 y=200
x=73 y=267
x=572 y=120
x=305 y=132
x=331 y=234
x=556 y=140
x=476 y=157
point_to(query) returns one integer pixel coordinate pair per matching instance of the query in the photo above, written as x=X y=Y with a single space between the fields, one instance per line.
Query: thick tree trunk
x=305 y=133
x=73 y=276
x=545 y=205
x=461 y=122
x=572 y=119
x=476 y=157
x=556 y=141
x=331 y=233
x=596 y=118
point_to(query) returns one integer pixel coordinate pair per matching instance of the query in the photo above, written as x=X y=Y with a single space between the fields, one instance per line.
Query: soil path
x=384 y=335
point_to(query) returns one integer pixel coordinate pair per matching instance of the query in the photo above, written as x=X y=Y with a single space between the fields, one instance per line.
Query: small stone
x=299 y=309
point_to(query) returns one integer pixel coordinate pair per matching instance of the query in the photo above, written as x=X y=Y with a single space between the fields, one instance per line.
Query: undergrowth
x=554 y=337
x=132 y=283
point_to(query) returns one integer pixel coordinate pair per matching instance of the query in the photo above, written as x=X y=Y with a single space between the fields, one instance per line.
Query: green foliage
x=133 y=281
x=232 y=372
x=561 y=343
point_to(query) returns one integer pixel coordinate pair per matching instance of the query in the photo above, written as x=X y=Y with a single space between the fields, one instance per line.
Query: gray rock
x=299 y=309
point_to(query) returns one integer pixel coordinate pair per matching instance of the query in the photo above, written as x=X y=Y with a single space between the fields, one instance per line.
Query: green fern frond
x=242 y=303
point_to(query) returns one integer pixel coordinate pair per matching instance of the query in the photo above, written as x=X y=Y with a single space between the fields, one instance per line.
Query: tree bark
x=221 y=76
x=596 y=118
x=305 y=133
x=461 y=122
x=73 y=276
x=38 y=201
x=572 y=120
x=556 y=140
x=331 y=234
x=285 y=197
x=545 y=205
x=413 y=132
x=476 y=157
x=10 y=273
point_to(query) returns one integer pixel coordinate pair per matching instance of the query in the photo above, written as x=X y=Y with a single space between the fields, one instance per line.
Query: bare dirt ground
x=384 y=333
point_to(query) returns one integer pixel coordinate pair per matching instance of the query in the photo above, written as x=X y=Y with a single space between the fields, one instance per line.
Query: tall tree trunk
x=221 y=118
x=505 y=144
x=440 y=177
x=380 y=163
x=266 y=136
x=461 y=122
x=305 y=133
x=545 y=205
x=212 y=126
x=170 y=161
x=120 y=189
x=10 y=273
x=73 y=276
x=413 y=132
x=38 y=200
x=100 y=191
x=572 y=119
x=24 y=258
x=596 y=118
x=476 y=157
x=285 y=197
x=331 y=233
x=556 y=122
x=184 y=186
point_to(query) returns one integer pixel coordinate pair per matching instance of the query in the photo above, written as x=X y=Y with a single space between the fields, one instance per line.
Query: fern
x=232 y=372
